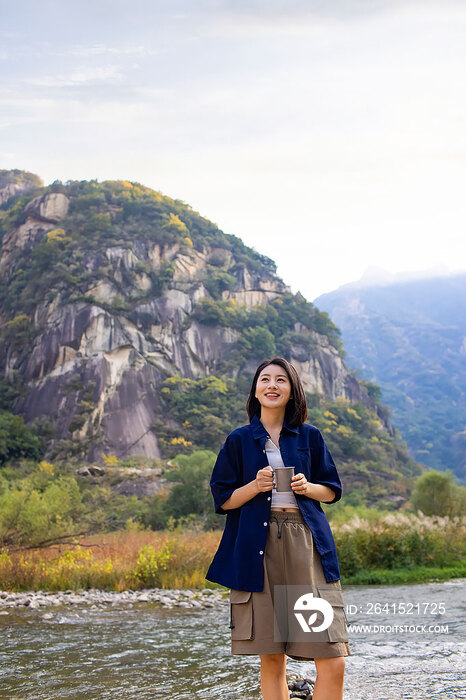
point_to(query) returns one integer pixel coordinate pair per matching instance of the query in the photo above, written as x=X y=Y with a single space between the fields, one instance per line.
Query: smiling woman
x=270 y=544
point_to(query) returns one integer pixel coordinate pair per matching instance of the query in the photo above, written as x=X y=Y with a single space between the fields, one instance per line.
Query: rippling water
x=144 y=651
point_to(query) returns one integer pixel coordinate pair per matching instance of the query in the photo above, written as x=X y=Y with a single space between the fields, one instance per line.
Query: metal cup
x=283 y=478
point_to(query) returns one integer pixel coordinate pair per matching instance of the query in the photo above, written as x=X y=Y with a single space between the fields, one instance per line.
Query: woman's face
x=273 y=388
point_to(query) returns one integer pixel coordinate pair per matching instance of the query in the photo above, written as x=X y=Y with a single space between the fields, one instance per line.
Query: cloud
x=294 y=18
x=102 y=50
x=335 y=125
x=80 y=76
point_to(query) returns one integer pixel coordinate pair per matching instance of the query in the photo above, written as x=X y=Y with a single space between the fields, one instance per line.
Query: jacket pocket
x=241 y=615
x=337 y=631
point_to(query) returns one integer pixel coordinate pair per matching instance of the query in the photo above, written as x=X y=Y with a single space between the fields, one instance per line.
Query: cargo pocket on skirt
x=337 y=631
x=241 y=615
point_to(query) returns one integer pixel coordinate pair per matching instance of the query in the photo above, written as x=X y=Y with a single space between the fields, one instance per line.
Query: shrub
x=150 y=565
x=39 y=509
x=399 y=541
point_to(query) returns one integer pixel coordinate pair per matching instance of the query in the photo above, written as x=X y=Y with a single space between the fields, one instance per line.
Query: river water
x=147 y=652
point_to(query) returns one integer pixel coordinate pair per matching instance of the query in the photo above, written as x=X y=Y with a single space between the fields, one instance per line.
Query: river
x=143 y=652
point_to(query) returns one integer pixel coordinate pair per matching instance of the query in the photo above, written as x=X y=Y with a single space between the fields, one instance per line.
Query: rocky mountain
x=409 y=337
x=16 y=182
x=109 y=289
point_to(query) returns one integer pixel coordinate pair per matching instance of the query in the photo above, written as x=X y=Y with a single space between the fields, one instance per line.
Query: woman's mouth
x=272 y=396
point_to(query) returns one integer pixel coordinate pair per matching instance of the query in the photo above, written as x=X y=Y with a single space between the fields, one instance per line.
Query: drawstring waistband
x=280 y=524
x=282 y=517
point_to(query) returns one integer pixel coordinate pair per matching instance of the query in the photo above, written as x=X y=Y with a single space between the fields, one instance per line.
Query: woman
x=275 y=541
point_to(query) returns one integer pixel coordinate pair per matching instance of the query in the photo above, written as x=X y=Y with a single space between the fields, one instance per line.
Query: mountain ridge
x=131 y=325
x=105 y=297
x=410 y=338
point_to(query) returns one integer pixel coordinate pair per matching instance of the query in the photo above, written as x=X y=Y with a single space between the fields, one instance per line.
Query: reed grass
x=396 y=548
x=402 y=541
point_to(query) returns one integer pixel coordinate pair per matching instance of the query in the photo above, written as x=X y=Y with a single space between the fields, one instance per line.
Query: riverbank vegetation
x=63 y=527
x=376 y=549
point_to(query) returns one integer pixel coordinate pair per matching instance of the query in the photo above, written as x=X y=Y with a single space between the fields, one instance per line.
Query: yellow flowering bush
x=150 y=565
x=110 y=460
x=57 y=234
x=180 y=441
x=46 y=467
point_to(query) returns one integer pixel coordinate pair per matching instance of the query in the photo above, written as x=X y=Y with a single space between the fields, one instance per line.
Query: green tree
x=191 y=492
x=257 y=343
x=190 y=495
x=436 y=493
x=8 y=394
x=33 y=512
x=16 y=439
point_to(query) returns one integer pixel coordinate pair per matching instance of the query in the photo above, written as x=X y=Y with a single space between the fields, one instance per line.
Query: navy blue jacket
x=239 y=560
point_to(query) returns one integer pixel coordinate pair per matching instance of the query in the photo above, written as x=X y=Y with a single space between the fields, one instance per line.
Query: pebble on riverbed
x=204 y=598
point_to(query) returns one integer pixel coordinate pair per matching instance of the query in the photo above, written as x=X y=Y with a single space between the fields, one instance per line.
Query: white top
x=281 y=499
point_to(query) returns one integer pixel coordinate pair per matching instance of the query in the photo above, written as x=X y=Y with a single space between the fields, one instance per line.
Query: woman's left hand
x=299 y=483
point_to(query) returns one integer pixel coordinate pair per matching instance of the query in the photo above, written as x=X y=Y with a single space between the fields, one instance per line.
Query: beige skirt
x=292 y=565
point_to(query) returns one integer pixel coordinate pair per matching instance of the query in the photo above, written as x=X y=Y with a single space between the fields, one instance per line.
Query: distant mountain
x=409 y=337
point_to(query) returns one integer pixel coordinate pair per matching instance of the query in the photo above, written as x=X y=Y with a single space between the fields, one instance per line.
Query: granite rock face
x=49 y=207
x=120 y=343
x=15 y=183
x=41 y=215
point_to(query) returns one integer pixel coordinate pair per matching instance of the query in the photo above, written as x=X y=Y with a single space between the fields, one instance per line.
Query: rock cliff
x=100 y=284
x=16 y=182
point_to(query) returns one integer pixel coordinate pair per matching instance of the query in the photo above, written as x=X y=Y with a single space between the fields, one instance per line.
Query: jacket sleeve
x=225 y=475
x=323 y=469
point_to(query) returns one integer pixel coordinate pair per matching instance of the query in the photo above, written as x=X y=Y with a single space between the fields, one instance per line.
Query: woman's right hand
x=240 y=496
x=264 y=479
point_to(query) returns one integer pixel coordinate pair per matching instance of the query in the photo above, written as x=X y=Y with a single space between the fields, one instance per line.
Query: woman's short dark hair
x=296 y=408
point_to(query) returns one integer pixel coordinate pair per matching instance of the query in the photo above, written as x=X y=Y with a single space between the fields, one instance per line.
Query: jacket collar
x=259 y=431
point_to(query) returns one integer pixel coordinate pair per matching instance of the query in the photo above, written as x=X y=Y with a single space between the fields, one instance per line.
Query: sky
x=328 y=135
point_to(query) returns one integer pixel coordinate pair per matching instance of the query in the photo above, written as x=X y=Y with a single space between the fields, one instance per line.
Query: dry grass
x=180 y=558
x=110 y=560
